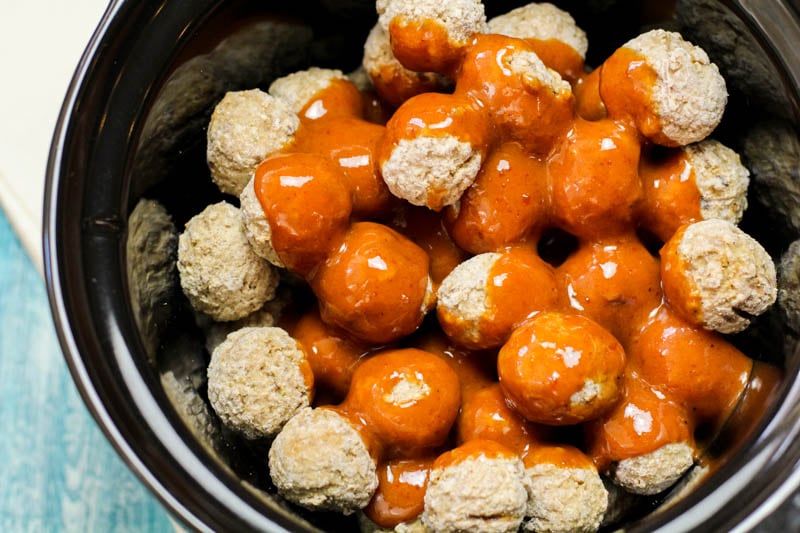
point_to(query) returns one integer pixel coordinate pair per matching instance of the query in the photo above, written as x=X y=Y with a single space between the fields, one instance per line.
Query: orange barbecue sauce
x=507 y=203
x=374 y=284
x=580 y=164
x=671 y=197
x=526 y=111
x=642 y=422
x=401 y=491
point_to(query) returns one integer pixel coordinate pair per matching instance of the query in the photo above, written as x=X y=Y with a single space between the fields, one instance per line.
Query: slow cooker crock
x=133 y=126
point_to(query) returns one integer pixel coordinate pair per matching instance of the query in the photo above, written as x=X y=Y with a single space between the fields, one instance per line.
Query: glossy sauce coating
x=561 y=369
x=614 y=281
x=520 y=284
x=307 y=206
x=507 y=204
x=671 y=197
x=424 y=45
x=646 y=419
x=401 y=491
x=699 y=368
x=394 y=390
x=626 y=87
x=332 y=354
x=427 y=230
x=594 y=178
x=524 y=110
x=374 y=284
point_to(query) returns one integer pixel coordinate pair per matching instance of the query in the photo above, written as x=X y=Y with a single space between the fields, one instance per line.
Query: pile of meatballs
x=522 y=271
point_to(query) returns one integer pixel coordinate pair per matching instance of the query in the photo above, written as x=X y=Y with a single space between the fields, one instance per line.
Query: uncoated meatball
x=219 y=272
x=476 y=487
x=717 y=276
x=258 y=378
x=246 y=127
x=298 y=88
x=320 y=461
x=656 y=471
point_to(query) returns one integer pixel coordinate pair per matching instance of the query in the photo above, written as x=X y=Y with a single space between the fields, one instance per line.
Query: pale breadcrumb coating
x=542 y=21
x=656 y=471
x=480 y=493
x=564 y=500
x=689 y=95
x=730 y=272
x=219 y=272
x=256 y=225
x=258 y=380
x=319 y=461
x=298 y=88
x=246 y=127
x=721 y=179
x=431 y=171
x=461 y=297
x=460 y=18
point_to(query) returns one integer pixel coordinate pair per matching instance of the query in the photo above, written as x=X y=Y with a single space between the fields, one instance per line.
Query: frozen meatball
x=320 y=461
x=675 y=94
x=529 y=102
x=701 y=181
x=258 y=378
x=484 y=298
x=219 y=272
x=391 y=80
x=553 y=33
x=717 y=276
x=541 y=21
x=256 y=225
x=721 y=180
x=565 y=492
x=433 y=148
x=656 y=471
x=476 y=487
x=246 y=127
x=561 y=369
x=375 y=286
x=298 y=88
x=429 y=35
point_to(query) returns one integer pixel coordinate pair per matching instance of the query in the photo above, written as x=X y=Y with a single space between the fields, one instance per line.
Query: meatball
x=256 y=226
x=375 y=285
x=656 y=471
x=565 y=491
x=306 y=205
x=391 y=80
x=342 y=478
x=717 y=276
x=298 y=88
x=721 y=179
x=542 y=23
x=675 y=94
x=219 y=272
x=529 y=102
x=246 y=127
x=429 y=35
x=395 y=390
x=433 y=149
x=258 y=378
x=478 y=486
x=561 y=369
x=484 y=298
x=700 y=181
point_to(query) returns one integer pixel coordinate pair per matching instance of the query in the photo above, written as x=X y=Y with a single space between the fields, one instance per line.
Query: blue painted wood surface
x=57 y=470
